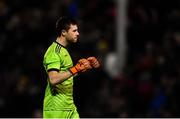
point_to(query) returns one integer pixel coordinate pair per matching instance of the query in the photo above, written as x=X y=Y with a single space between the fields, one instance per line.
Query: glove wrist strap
x=73 y=70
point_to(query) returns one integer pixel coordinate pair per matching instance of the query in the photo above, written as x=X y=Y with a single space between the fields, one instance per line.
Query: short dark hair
x=63 y=23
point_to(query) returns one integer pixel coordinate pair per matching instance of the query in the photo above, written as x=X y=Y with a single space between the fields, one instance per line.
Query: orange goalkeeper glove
x=94 y=62
x=85 y=63
x=81 y=66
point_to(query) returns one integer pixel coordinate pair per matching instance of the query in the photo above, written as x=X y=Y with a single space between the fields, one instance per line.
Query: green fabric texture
x=61 y=114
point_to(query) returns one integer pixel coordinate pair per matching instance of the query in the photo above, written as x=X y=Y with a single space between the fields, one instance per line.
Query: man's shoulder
x=54 y=48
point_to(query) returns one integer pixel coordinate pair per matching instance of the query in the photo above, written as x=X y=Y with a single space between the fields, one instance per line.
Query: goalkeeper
x=58 y=99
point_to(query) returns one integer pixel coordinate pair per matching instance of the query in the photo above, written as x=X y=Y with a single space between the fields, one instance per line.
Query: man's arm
x=58 y=77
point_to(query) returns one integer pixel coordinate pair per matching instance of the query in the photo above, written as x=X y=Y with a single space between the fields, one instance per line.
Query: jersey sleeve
x=52 y=61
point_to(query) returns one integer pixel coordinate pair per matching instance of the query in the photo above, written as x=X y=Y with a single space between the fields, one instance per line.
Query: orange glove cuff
x=73 y=70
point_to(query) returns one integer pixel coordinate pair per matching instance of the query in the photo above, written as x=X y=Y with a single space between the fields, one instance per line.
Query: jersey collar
x=59 y=44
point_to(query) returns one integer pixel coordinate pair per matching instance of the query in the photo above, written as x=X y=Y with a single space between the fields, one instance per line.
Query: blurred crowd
x=148 y=85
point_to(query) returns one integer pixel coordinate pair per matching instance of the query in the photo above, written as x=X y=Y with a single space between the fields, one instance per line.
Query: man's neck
x=62 y=41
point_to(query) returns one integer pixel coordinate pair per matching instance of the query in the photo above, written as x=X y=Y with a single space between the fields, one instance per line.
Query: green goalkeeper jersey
x=59 y=97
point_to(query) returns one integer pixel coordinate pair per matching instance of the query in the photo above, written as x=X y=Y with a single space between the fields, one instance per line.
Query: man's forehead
x=73 y=26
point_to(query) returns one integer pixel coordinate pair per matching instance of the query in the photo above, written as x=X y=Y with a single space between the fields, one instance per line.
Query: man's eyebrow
x=75 y=30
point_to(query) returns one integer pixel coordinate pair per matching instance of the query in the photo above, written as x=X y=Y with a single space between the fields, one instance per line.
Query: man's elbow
x=54 y=81
x=53 y=78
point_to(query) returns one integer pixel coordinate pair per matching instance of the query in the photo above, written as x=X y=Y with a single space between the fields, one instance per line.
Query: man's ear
x=63 y=32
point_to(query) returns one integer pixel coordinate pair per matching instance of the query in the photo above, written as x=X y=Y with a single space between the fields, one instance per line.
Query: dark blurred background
x=148 y=84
